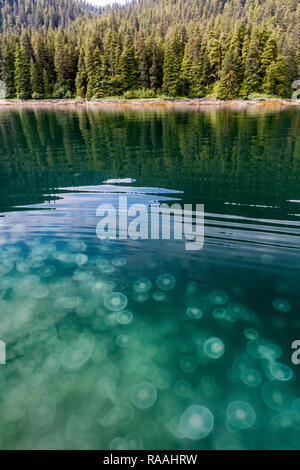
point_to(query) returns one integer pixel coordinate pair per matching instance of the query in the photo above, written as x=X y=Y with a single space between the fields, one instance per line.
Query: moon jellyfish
x=278 y=371
x=250 y=334
x=135 y=441
x=251 y=377
x=143 y=395
x=22 y=267
x=183 y=388
x=194 y=312
x=281 y=305
x=77 y=354
x=218 y=297
x=115 y=301
x=214 y=348
x=26 y=283
x=41 y=413
x=40 y=292
x=277 y=395
x=196 y=422
x=123 y=341
x=140 y=296
x=118 y=443
x=188 y=364
x=47 y=271
x=240 y=414
x=142 y=285
x=7 y=282
x=262 y=349
x=125 y=317
x=68 y=303
x=159 y=296
x=120 y=414
x=80 y=259
x=119 y=262
x=166 y=282
x=52 y=364
x=237 y=310
x=219 y=313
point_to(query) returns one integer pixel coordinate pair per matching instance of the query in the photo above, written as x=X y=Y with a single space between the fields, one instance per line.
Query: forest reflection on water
x=214 y=349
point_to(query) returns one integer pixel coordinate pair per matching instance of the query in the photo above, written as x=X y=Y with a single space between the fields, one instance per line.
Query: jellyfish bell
x=119 y=262
x=115 y=301
x=281 y=305
x=250 y=333
x=277 y=371
x=166 y=282
x=263 y=349
x=142 y=285
x=218 y=297
x=159 y=296
x=125 y=317
x=194 y=313
x=240 y=414
x=277 y=395
x=196 y=422
x=214 y=348
x=144 y=395
x=251 y=377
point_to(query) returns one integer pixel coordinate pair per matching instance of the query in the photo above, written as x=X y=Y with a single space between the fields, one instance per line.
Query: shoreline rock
x=195 y=102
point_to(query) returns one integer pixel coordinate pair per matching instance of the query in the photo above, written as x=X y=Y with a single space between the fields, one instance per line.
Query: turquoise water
x=101 y=352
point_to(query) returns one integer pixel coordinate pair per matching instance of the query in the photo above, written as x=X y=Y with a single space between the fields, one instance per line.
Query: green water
x=203 y=365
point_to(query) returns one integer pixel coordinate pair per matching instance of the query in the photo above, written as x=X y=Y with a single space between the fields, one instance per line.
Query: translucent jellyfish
x=7 y=282
x=194 y=312
x=159 y=296
x=142 y=285
x=251 y=377
x=263 y=349
x=276 y=370
x=41 y=412
x=26 y=283
x=166 y=282
x=125 y=317
x=219 y=313
x=63 y=257
x=135 y=441
x=143 y=395
x=161 y=379
x=196 y=422
x=52 y=364
x=85 y=309
x=22 y=267
x=118 y=443
x=214 y=348
x=237 y=310
x=47 y=270
x=174 y=427
x=115 y=301
x=218 y=297
x=80 y=259
x=279 y=322
x=240 y=414
x=77 y=354
x=277 y=395
x=124 y=341
x=188 y=364
x=121 y=414
x=281 y=305
x=119 y=262
x=250 y=334
x=68 y=303
x=183 y=388
x=40 y=292
x=140 y=296
x=284 y=420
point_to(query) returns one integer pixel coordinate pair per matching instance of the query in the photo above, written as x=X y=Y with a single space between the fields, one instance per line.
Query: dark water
x=203 y=365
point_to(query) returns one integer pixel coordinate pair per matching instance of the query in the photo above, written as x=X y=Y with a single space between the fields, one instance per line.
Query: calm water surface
x=205 y=364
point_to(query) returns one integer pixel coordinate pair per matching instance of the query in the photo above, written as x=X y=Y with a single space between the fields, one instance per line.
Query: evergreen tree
x=22 y=73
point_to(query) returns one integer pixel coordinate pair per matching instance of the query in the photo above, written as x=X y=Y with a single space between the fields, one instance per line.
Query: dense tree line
x=228 y=48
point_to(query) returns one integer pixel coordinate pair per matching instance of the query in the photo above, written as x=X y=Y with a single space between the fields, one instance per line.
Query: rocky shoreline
x=197 y=102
